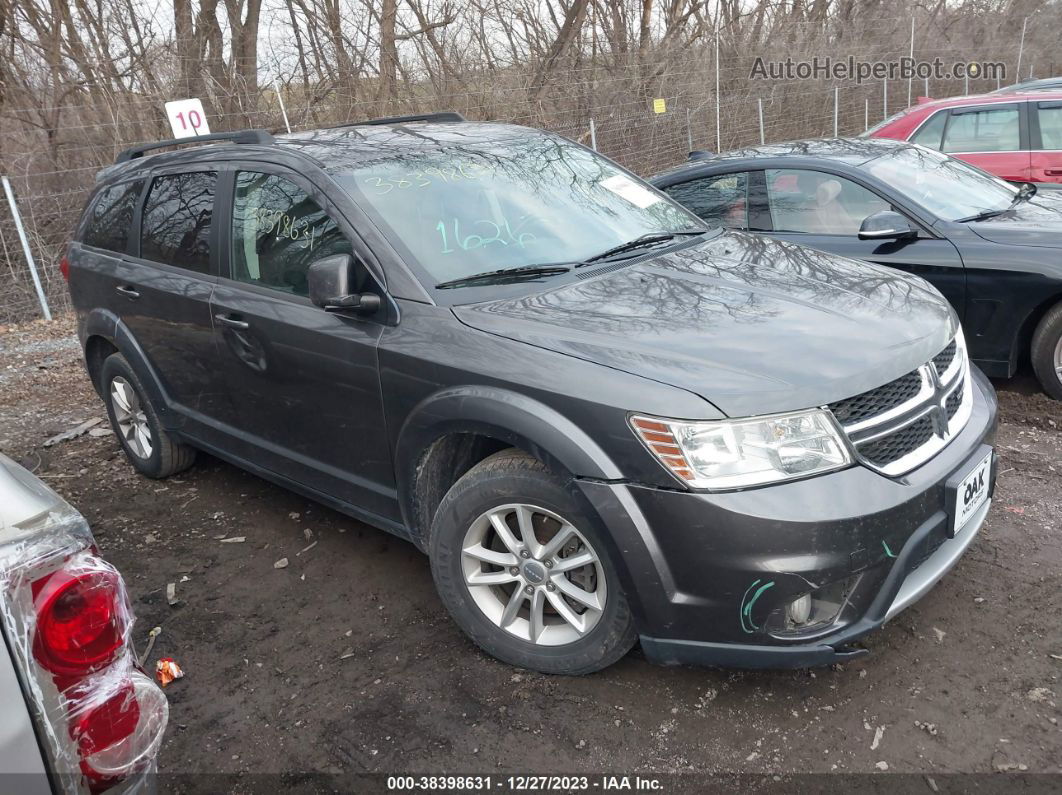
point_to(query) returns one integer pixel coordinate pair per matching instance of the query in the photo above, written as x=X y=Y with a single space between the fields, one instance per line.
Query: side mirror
x=886 y=225
x=330 y=280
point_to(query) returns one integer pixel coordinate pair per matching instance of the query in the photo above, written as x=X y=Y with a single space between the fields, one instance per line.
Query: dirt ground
x=345 y=662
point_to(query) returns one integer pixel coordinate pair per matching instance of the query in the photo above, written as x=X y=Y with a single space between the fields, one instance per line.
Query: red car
x=1015 y=136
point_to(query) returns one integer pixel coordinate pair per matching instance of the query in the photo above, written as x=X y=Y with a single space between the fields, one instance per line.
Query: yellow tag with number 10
x=659 y=106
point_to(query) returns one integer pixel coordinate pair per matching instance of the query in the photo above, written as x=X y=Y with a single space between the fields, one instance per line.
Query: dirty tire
x=167 y=456
x=513 y=476
x=1045 y=356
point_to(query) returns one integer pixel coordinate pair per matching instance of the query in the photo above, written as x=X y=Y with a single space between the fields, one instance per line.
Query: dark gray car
x=992 y=249
x=603 y=420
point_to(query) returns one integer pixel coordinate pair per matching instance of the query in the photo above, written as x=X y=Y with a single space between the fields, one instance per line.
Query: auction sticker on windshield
x=972 y=493
x=630 y=190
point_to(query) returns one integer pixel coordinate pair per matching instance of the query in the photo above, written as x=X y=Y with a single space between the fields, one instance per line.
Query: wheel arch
x=453 y=430
x=1022 y=345
x=104 y=334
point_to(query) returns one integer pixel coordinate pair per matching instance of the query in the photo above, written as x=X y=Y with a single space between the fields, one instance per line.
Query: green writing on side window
x=428 y=176
x=490 y=232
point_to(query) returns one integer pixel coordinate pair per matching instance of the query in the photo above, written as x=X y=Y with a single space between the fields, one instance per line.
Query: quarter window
x=278 y=231
x=818 y=203
x=177 y=218
x=110 y=217
x=994 y=130
x=1050 y=126
x=719 y=200
x=930 y=132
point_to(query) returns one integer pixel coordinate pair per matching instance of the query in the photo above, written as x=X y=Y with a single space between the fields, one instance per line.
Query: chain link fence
x=612 y=110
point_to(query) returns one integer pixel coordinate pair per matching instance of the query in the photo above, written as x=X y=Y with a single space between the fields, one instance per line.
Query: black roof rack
x=237 y=137
x=447 y=115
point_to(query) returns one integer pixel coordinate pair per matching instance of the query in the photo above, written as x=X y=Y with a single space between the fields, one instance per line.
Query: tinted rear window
x=177 y=218
x=111 y=216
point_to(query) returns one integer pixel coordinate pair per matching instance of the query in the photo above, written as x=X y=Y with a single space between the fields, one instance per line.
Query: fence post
x=593 y=135
x=26 y=249
x=884 y=99
x=689 y=132
x=836 y=100
x=718 y=130
x=760 y=102
x=1021 y=49
x=966 y=89
x=910 y=80
x=927 y=86
x=866 y=115
x=283 y=110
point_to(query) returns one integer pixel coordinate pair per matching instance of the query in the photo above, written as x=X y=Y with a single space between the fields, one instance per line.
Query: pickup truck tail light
x=70 y=619
x=64 y=268
x=81 y=621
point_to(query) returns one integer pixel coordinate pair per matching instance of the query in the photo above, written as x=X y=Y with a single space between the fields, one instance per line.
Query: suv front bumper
x=710 y=575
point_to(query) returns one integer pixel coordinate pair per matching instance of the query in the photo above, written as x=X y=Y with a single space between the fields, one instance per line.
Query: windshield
x=527 y=200
x=946 y=186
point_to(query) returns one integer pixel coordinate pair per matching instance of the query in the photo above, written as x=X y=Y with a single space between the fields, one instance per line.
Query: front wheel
x=523 y=571
x=1047 y=352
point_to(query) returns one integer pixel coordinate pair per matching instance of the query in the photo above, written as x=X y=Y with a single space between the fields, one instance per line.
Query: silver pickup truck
x=78 y=715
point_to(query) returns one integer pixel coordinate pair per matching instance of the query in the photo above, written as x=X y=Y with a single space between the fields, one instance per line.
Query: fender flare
x=107 y=325
x=502 y=414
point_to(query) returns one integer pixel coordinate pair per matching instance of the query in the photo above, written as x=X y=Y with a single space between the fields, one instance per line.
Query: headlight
x=732 y=454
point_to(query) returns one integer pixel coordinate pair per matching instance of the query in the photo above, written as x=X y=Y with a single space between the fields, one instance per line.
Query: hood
x=750 y=324
x=1037 y=222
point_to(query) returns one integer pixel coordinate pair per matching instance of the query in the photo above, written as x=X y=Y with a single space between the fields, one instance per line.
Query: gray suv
x=602 y=419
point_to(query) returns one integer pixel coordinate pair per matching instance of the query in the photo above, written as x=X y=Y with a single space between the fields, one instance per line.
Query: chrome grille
x=878 y=401
x=897 y=427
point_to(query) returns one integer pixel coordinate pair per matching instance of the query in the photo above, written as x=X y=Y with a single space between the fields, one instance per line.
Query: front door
x=825 y=211
x=304 y=383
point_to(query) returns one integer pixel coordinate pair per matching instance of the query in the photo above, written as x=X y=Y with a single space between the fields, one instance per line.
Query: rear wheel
x=1047 y=352
x=523 y=571
x=147 y=445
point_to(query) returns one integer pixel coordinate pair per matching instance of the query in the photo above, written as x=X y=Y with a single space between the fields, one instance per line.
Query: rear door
x=994 y=138
x=824 y=211
x=306 y=399
x=164 y=286
x=1045 y=122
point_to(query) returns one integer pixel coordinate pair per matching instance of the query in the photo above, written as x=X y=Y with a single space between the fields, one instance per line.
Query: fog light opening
x=799 y=610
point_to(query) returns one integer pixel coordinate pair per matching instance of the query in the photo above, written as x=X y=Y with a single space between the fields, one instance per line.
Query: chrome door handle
x=127 y=291
x=231 y=322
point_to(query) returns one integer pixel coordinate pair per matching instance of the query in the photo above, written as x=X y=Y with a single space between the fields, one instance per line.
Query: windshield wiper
x=648 y=239
x=504 y=276
x=984 y=215
x=1025 y=192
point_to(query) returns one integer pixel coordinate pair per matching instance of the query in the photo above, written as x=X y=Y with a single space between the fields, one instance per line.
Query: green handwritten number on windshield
x=471 y=242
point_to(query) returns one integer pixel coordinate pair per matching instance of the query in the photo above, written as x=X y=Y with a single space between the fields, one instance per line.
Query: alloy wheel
x=533 y=574
x=130 y=417
x=1058 y=359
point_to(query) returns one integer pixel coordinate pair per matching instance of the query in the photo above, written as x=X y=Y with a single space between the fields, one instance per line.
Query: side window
x=110 y=216
x=176 y=221
x=929 y=134
x=818 y=203
x=994 y=130
x=278 y=231
x=1050 y=125
x=719 y=200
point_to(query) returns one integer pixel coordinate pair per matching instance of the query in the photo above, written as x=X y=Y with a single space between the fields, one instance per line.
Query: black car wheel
x=149 y=448
x=1047 y=352
x=522 y=569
